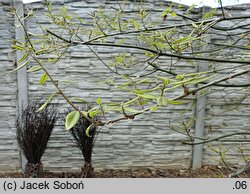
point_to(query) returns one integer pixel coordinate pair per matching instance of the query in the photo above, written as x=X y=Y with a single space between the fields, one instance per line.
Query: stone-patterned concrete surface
x=9 y=155
x=146 y=141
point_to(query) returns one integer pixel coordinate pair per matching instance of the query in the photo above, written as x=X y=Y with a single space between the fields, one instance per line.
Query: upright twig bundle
x=85 y=143
x=33 y=132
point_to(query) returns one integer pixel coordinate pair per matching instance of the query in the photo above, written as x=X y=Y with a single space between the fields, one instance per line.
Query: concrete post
x=200 y=113
x=199 y=124
x=22 y=73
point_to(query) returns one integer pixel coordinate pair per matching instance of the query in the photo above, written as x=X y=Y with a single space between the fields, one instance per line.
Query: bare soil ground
x=205 y=172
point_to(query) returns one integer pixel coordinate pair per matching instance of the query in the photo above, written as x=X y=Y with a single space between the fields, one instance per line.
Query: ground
x=205 y=172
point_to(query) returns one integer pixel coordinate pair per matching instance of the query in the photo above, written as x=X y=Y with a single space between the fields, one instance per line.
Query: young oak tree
x=149 y=50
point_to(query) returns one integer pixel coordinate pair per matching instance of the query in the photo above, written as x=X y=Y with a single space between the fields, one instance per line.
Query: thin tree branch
x=149 y=50
x=213 y=82
x=54 y=82
x=217 y=20
x=215 y=139
x=181 y=97
x=222 y=9
x=60 y=91
x=244 y=169
x=163 y=54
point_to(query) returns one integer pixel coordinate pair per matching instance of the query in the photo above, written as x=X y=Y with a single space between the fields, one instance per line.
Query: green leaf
x=20 y=66
x=136 y=24
x=166 y=12
x=175 y=102
x=131 y=101
x=88 y=130
x=162 y=101
x=120 y=58
x=50 y=6
x=79 y=100
x=53 y=60
x=126 y=84
x=35 y=68
x=71 y=119
x=147 y=81
x=174 y=87
x=43 y=106
x=197 y=73
x=23 y=57
x=47 y=102
x=159 y=44
x=195 y=25
x=112 y=109
x=103 y=40
x=181 y=40
x=180 y=76
x=166 y=81
x=99 y=101
x=32 y=34
x=147 y=96
x=93 y=113
x=173 y=14
x=41 y=51
x=131 y=110
x=17 y=47
x=199 y=80
x=183 y=81
x=43 y=79
x=191 y=7
x=210 y=14
x=154 y=108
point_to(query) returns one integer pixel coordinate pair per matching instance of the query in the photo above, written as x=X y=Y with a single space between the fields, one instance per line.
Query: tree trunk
x=34 y=170
x=87 y=171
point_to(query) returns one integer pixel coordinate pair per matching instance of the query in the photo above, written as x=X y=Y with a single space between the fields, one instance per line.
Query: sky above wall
x=212 y=3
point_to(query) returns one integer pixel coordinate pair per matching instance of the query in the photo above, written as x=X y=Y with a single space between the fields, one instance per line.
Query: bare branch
x=215 y=139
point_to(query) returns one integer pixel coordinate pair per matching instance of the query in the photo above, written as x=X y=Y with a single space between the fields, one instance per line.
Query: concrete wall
x=228 y=109
x=146 y=141
x=9 y=155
